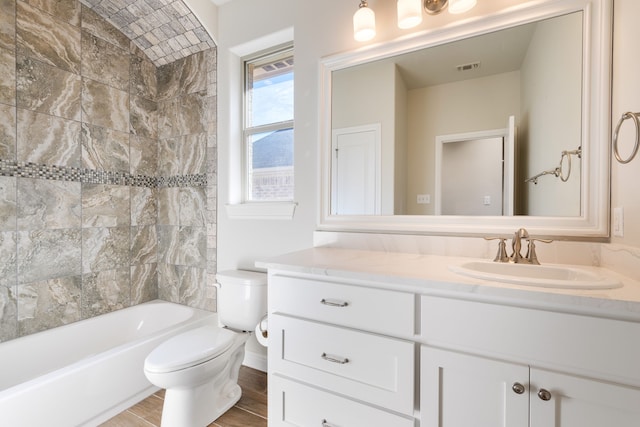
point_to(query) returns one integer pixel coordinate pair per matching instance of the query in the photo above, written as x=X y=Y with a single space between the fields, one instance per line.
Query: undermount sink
x=536 y=275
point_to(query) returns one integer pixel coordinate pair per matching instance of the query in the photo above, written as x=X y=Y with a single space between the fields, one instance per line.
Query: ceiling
x=166 y=30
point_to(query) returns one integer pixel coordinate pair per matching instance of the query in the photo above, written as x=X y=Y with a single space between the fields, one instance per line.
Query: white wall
x=325 y=28
x=548 y=76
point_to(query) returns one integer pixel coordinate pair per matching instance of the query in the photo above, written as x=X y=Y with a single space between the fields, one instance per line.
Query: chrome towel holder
x=558 y=171
x=636 y=120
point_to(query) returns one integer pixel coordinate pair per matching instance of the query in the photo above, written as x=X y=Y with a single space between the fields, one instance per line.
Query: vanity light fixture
x=409 y=14
x=364 y=23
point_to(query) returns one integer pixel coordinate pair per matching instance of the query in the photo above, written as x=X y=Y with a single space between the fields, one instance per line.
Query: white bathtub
x=84 y=373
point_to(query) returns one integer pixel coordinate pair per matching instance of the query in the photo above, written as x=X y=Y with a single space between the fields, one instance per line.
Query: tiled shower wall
x=103 y=170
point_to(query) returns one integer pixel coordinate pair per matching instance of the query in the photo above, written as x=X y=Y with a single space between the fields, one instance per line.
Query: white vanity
x=359 y=338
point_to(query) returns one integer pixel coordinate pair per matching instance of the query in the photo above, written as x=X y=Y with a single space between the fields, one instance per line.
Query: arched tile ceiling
x=166 y=30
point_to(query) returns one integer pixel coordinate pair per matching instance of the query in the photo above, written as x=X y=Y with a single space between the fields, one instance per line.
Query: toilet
x=199 y=368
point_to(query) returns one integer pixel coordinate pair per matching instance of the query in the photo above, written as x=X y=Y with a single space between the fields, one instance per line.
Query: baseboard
x=255 y=360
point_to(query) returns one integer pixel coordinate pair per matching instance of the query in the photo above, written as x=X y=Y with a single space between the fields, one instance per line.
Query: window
x=268 y=127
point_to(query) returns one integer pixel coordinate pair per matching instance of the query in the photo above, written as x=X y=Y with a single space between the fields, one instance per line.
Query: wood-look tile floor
x=250 y=411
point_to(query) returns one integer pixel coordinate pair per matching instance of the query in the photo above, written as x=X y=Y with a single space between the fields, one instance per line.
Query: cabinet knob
x=544 y=395
x=518 y=388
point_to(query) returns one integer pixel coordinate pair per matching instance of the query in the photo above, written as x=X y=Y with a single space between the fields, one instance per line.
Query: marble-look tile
x=105 y=205
x=105 y=248
x=193 y=206
x=48 y=303
x=169 y=206
x=8 y=80
x=144 y=82
x=8 y=24
x=45 y=139
x=104 y=149
x=48 y=254
x=192 y=250
x=144 y=283
x=168 y=282
x=144 y=245
x=45 y=38
x=144 y=117
x=66 y=10
x=46 y=89
x=184 y=155
x=105 y=291
x=98 y=26
x=105 y=106
x=48 y=204
x=169 y=152
x=143 y=155
x=193 y=154
x=182 y=116
x=144 y=206
x=193 y=283
x=8 y=206
x=8 y=265
x=187 y=75
x=104 y=62
x=169 y=244
x=7 y=132
x=8 y=314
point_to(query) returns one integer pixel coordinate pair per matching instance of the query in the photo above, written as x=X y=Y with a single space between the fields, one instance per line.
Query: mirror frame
x=593 y=224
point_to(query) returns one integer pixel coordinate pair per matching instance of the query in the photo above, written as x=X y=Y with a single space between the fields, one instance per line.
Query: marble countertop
x=430 y=275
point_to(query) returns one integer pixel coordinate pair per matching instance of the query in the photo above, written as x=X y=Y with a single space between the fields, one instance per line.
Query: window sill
x=262 y=210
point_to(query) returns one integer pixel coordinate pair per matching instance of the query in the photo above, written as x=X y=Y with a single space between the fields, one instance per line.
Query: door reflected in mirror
x=389 y=118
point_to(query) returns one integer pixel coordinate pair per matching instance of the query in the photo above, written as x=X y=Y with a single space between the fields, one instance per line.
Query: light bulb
x=409 y=13
x=461 y=6
x=364 y=23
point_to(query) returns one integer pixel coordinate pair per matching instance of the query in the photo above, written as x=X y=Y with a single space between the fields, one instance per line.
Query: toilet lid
x=189 y=349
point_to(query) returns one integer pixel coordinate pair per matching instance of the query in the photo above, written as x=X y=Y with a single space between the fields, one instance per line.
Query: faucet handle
x=501 y=256
x=532 y=258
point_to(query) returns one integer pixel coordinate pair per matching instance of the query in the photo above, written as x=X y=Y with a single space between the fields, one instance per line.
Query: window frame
x=247 y=132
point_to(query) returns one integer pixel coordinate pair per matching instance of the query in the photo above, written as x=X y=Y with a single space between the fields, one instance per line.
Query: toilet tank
x=242 y=298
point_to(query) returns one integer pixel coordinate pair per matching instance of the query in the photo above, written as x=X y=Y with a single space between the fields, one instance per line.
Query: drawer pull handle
x=517 y=388
x=334 y=303
x=544 y=395
x=326 y=423
x=334 y=359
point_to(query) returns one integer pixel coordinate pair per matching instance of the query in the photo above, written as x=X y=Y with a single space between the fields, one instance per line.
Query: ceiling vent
x=468 y=67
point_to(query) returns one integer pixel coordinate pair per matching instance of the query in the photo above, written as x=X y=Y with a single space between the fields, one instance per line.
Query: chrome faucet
x=516 y=246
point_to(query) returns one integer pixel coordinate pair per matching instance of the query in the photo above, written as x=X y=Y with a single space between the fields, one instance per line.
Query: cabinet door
x=460 y=390
x=580 y=402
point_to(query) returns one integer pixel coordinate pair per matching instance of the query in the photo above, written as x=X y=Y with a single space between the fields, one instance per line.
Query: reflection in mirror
x=388 y=116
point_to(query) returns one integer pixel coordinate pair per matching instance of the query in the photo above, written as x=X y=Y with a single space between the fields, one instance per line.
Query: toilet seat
x=189 y=349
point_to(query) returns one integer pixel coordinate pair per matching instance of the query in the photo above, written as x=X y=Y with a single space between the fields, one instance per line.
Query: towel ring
x=616 y=152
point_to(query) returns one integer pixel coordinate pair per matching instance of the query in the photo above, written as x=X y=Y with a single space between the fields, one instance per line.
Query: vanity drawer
x=370 y=309
x=369 y=367
x=295 y=404
x=584 y=345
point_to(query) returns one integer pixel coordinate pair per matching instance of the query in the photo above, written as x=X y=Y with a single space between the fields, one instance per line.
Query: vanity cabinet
x=465 y=390
x=347 y=351
x=333 y=361
x=494 y=365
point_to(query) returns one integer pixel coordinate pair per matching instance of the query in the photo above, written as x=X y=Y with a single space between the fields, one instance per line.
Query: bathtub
x=84 y=373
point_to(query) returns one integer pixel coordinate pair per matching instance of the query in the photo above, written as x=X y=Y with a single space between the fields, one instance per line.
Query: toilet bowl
x=199 y=368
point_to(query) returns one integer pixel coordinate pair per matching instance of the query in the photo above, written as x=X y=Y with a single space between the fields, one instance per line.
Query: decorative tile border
x=92 y=176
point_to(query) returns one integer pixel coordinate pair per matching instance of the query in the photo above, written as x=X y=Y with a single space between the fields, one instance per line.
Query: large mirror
x=479 y=128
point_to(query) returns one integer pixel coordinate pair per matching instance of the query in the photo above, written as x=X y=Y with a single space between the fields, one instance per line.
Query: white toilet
x=199 y=368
